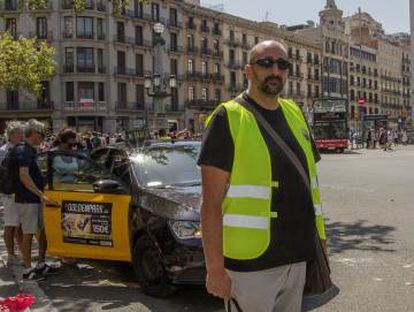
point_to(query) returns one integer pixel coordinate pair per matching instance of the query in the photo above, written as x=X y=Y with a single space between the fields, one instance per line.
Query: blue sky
x=393 y=14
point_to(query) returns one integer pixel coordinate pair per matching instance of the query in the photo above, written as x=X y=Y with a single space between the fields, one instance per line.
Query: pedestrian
x=29 y=197
x=258 y=218
x=12 y=230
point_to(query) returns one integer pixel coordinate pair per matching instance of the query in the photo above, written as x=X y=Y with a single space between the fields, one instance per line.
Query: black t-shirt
x=293 y=230
x=26 y=156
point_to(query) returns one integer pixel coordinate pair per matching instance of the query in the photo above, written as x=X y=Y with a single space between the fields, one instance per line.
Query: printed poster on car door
x=87 y=223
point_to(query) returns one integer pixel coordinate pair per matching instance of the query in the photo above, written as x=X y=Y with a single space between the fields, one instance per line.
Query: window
x=191 y=22
x=190 y=65
x=233 y=80
x=244 y=39
x=217 y=95
x=86 y=90
x=155 y=12
x=174 y=99
x=100 y=61
x=139 y=94
x=12 y=99
x=101 y=91
x=139 y=64
x=121 y=62
x=204 y=44
x=69 y=60
x=204 y=68
x=138 y=8
x=231 y=56
x=244 y=58
x=190 y=42
x=298 y=88
x=68 y=24
x=11 y=26
x=41 y=27
x=122 y=93
x=217 y=68
x=191 y=93
x=309 y=90
x=173 y=67
x=100 y=29
x=89 y=4
x=120 y=31
x=85 y=59
x=138 y=35
x=84 y=27
x=173 y=16
x=316 y=91
x=231 y=34
x=173 y=42
x=204 y=94
x=216 y=47
x=256 y=40
x=69 y=87
x=75 y=173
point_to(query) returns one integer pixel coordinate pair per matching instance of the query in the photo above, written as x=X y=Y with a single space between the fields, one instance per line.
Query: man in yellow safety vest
x=258 y=216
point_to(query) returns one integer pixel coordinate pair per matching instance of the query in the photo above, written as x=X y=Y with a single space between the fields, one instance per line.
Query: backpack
x=8 y=174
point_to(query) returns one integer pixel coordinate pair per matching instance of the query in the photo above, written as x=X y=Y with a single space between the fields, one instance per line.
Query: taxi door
x=91 y=218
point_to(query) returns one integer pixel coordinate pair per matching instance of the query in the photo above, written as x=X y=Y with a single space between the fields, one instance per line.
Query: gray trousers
x=275 y=290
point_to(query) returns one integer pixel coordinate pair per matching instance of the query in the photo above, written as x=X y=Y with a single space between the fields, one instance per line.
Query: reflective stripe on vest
x=260 y=192
x=243 y=221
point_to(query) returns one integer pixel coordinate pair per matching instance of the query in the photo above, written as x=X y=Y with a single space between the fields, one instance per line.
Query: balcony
x=216 y=32
x=298 y=76
x=235 y=87
x=217 y=54
x=67 y=4
x=101 y=36
x=205 y=77
x=121 y=106
x=101 y=70
x=34 y=106
x=205 y=51
x=233 y=64
x=232 y=42
x=201 y=104
x=192 y=26
x=67 y=35
x=84 y=35
x=192 y=76
x=85 y=69
x=174 y=23
x=174 y=108
x=85 y=106
x=192 y=50
x=204 y=28
x=176 y=48
x=68 y=68
x=217 y=78
x=101 y=7
x=45 y=36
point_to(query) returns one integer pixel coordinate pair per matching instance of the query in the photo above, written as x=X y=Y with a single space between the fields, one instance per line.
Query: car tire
x=149 y=269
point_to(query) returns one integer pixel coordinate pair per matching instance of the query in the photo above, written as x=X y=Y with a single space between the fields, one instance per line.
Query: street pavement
x=368 y=199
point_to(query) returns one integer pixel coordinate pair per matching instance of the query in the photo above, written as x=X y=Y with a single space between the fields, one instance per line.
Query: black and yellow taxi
x=137 y=205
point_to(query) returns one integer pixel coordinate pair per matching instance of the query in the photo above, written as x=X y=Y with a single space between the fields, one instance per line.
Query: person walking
x=258 y=216
x=29 y=197
x=12 y=230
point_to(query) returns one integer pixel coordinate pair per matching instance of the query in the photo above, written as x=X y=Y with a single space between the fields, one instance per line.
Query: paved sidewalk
x=11 y=279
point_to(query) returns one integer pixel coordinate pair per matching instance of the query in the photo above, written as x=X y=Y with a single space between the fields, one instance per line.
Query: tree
x=24 y=63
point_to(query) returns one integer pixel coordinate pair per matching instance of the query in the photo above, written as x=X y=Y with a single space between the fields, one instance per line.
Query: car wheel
x=149 y=269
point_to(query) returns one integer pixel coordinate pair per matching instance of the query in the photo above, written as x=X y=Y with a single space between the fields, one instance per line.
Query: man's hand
x=48 y=202
x=218 y=283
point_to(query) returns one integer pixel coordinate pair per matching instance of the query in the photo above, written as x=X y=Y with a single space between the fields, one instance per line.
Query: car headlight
x=185 y=229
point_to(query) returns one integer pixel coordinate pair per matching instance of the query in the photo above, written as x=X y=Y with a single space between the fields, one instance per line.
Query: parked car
x=139 y=206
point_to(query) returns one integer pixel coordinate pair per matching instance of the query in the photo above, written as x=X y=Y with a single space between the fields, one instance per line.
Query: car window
x=165 y=166
x=75 y=173
x=102 y=157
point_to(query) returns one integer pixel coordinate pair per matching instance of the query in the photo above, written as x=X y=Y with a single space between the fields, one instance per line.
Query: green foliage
x=24 y=63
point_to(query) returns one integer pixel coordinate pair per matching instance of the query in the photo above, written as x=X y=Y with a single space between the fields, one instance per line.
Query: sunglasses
x=281 y=63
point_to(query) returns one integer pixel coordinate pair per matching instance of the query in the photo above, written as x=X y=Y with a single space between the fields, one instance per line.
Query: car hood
x=177 y=203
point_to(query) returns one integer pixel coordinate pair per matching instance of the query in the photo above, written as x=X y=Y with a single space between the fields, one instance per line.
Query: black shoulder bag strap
x=277 y=139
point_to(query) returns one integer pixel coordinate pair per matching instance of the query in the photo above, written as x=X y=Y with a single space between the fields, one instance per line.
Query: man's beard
x=271 y=89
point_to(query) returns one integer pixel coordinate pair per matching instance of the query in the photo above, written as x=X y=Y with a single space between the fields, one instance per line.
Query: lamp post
x=156 y=84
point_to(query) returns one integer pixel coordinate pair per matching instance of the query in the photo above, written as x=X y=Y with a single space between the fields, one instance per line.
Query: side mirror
x=108 y=186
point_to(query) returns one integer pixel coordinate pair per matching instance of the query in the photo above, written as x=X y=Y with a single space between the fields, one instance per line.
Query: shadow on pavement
x=358 y=235
x=112 y=287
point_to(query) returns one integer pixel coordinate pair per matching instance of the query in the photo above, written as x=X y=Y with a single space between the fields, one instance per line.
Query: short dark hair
x=64 y=135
